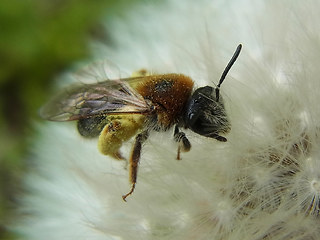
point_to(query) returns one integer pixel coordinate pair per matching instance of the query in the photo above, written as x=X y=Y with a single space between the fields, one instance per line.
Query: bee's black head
x=205 y=113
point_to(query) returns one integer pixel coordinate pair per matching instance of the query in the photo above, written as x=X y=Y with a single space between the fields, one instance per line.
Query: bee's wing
x=87 y=100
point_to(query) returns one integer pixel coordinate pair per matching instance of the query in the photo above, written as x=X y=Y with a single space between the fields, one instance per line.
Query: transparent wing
x=97 y=71
x=87 y=100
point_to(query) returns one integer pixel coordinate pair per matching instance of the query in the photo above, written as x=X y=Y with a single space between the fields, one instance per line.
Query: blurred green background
x=38 y=40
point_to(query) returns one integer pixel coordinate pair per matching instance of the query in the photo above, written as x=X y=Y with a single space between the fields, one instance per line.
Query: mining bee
x=117 y=110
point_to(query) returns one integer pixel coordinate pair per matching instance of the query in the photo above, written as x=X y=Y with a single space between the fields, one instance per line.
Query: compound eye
x=201 y=125
x=198 y=122
x=198 y=125
x=196 y=106
x=191 y=118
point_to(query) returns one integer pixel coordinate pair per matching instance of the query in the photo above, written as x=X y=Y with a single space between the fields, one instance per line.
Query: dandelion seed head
x=315 y=185
x=263 y=183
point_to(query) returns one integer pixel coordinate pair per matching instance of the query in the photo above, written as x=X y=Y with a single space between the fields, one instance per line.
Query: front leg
x=217 y=137
x=183 y=142
x=134 y=161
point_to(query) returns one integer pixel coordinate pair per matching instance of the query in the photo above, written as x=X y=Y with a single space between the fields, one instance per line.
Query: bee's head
x=205 y=113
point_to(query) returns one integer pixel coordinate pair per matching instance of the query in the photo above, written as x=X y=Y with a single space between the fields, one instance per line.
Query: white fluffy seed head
x=263 y=183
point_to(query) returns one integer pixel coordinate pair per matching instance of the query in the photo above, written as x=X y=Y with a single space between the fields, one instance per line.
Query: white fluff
x=264 y=183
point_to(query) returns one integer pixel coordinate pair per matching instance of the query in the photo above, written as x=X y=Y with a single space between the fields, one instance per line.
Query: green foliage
x=38 y=40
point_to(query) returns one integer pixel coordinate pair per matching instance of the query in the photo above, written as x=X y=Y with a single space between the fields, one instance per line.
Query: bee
x=118 y=110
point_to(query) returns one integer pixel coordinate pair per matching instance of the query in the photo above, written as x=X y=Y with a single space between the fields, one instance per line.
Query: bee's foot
x=129 y=193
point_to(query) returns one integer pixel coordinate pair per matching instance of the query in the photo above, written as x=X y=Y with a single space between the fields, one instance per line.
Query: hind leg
x=134 y=161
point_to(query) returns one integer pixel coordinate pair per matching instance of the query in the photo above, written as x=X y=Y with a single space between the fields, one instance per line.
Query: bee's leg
x=134 y=160
x=118 y=131
x=117 y=155
x=183 y=142
x=217 y=137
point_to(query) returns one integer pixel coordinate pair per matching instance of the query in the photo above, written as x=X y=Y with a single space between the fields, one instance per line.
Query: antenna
x=226 y=70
